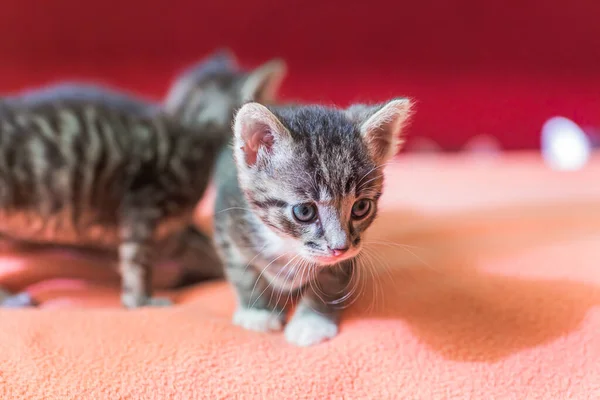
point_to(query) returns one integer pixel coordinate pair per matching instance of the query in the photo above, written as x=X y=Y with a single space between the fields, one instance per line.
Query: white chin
x=325 y=261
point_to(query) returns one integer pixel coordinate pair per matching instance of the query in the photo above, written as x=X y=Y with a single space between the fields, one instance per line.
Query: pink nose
x=338 y=252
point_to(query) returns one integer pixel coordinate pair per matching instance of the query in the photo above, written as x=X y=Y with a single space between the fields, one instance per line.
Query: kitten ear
x=264 y=82
x=381 y=126
x=257 y=131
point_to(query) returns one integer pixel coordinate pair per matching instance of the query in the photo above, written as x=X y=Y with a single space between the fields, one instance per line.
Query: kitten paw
x=310 y=329
x=131 y=301
x=19 y=300
x=258 y=320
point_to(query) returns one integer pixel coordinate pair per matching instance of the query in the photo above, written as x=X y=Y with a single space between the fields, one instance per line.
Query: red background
x=475 y=67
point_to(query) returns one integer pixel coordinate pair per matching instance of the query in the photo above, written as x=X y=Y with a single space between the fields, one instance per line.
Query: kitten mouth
x=328 y=260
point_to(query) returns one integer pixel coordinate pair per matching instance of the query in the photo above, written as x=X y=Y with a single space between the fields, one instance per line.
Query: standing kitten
x=294 y=197
x=115 y=145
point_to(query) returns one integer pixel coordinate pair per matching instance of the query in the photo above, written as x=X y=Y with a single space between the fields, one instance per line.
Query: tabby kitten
x=88 y=167
x=295 y=195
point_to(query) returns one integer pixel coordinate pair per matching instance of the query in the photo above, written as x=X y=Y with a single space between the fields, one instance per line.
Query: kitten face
x=313 y=175
x=209 y=92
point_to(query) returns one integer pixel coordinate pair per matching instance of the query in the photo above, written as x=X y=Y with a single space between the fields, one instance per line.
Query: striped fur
x=91 y=167
x=79 y=169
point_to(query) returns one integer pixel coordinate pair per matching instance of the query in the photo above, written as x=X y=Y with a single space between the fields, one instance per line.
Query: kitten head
x=313 y=175
x=209 y=92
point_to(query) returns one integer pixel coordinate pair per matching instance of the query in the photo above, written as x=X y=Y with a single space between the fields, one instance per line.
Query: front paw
x=19 y=300
x=258 y=320
x=132 y=301
x=310 y=329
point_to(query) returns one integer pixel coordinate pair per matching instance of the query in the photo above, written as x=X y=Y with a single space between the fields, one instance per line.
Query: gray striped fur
x=89 y=171
x=91 y=167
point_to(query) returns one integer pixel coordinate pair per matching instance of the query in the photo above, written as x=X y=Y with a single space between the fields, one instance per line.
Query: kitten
x=90 y=167
x=295 y=195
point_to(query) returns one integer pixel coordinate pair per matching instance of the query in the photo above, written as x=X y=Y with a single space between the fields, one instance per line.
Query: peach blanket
x=485 y=283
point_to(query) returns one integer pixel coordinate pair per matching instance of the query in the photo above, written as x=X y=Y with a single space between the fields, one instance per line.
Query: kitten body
x=295 y=194
x=92 y=173
x=91 y=167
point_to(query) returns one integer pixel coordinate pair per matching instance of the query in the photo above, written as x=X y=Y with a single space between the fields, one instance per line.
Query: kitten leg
x=136 y=257
x=317 y=315
x=193 y=251
x=256 y=310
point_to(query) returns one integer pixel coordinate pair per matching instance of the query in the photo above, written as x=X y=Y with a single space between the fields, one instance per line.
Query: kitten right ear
x=257 y=131
x=381 y=126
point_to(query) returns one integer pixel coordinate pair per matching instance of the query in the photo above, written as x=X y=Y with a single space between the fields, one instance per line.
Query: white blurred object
x=565 y=146
x=484 y=145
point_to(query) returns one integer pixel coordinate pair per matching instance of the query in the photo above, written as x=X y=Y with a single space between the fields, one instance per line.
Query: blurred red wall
x=475 y=67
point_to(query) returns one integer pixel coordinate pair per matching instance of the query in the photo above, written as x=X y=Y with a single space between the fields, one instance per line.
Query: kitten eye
x=305 y=212
x=361 y=208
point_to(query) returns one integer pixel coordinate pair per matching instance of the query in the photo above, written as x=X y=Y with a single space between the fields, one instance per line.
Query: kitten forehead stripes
x=330 y=147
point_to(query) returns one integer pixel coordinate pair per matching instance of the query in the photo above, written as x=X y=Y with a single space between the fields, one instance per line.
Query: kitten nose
x=338 y=252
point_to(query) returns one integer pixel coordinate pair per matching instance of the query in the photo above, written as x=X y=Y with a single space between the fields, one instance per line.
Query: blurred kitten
x=184 y=138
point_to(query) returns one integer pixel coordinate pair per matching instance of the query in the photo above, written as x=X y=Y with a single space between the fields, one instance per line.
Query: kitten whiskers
x=260 y=276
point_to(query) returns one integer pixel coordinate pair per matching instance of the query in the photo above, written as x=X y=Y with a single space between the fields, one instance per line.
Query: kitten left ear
x=381 y=126
x=264 y=82
x=257 y=132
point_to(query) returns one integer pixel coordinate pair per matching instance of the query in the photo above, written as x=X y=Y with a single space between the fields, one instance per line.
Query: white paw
x=309 y=329
x=257 y=320
x=17 y=301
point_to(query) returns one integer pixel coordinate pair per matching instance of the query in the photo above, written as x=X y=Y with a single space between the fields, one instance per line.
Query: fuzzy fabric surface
x=483 y=281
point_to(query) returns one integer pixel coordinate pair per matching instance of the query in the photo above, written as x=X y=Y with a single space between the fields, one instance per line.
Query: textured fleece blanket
x=484 y=283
